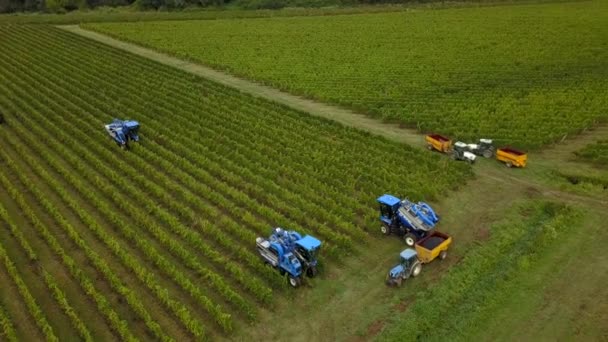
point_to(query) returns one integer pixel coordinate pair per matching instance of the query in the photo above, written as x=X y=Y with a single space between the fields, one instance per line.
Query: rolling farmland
x=461 y=72
x=158 y=242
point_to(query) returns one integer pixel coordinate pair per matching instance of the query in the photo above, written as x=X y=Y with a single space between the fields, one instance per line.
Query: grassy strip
x=541 y=301
x=454 y=305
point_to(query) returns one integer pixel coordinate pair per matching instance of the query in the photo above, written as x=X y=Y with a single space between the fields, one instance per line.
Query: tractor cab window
x=313 y=254
x=385 y=210
x=406 y=262
x=308 y=255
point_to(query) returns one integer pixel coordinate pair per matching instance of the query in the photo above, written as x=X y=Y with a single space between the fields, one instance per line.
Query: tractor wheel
x=385 y=229
x=487 y=154
x=443 y=254
x=509 y=165
x=416 y=269
x=312 y=272
x=410 y=239
x=294 y=282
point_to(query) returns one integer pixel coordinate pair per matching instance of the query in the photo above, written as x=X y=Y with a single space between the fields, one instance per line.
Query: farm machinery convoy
x=295 y=256
x=415 y=222
x=469 y=152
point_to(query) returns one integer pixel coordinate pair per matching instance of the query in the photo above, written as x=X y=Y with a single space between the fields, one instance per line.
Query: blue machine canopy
x=389 y=200
x=309 y=243
x=408 y=254
x=132 y=124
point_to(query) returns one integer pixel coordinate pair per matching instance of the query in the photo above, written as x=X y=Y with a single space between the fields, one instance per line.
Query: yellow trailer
x=438 y=142
x=512 y=157
x=432 y=246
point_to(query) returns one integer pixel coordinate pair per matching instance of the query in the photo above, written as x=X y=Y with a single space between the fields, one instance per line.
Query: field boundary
x=334 y=113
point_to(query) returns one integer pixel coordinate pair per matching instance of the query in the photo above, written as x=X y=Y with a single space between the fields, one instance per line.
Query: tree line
x=61 y=6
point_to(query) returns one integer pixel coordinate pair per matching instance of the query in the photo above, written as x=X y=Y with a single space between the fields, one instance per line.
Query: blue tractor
x=412 y=221
x=409 y=266
x=123 y=131
x=290 y=253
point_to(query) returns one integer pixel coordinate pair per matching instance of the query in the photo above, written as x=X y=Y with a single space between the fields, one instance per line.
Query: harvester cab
x=123 y=131
x=307 y=250
x=461 y=152
x=412 y=221
x=301 y=253
x=409 y=266
x=484 y=148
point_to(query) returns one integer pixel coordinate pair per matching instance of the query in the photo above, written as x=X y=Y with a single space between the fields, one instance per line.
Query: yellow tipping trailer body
x=432 y=246
x=512 y=157
x=438 y=142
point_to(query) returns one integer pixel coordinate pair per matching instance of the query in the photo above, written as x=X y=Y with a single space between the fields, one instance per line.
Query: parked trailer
x=432 y=246
x=438 y=142
x=512 y=157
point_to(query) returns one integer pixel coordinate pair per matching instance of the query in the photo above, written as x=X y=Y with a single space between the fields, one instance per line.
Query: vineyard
x=468 y=73
x=158 y=243
x=596 y=153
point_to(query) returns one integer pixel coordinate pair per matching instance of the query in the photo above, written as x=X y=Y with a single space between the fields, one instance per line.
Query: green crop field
x=158 y=242
x=524 y=75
